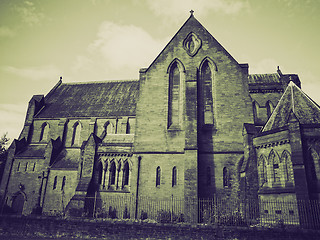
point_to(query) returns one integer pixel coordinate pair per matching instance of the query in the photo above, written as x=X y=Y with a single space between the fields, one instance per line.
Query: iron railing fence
x=217 y=211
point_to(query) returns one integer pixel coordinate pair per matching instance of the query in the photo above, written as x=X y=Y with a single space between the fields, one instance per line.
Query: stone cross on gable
x=191 y=12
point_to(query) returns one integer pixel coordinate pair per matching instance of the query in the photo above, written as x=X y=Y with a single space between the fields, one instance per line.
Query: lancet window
x=262 y=169
x=76 y=134
x=276 y=171
x=174 y=176
x=175 y=96
x=207 y=99
x=158 y=176
x=44 y=132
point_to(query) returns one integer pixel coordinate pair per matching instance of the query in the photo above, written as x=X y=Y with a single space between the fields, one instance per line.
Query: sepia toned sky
x=84 y=40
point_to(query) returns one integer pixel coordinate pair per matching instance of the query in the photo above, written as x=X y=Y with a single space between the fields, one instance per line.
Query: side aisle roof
x=91 y=99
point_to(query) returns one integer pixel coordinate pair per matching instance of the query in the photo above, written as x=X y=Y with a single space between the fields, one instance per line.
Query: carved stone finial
x=61 y=78
x=191 y=12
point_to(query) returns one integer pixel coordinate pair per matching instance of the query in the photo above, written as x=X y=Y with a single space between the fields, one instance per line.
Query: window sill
x=174 y=128
x=112 y=188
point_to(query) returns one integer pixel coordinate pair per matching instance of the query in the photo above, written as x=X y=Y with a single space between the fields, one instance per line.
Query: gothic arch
x=113 y=172
x=262 y=170
x=126 y=174
x=274 y=160
x=76 y=134
x=18 y=200
x=158 y=176
x=205 y=84
x=314 y=163
x=179 y=64
x=255 y=106
x=287 y=166
x=45 y=127
x=174 y=176
x=176 y=74
x=269 y=107
x=226 y=177
x=211 y=63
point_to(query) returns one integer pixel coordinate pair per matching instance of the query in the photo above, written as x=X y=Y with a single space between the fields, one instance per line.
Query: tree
x=3 y=152
x=3 y=147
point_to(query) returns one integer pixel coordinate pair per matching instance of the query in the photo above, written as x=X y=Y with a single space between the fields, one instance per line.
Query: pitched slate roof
x=264 y=78
x=295 y=101
x=32 y=151
x=91 y=99
x=67 y=159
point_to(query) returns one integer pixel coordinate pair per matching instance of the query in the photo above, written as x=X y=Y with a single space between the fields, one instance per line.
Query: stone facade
x=195 y=125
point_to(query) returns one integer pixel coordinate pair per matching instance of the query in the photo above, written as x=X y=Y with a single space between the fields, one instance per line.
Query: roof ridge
x=102 y=81
x=274 y=111
x=292 y=84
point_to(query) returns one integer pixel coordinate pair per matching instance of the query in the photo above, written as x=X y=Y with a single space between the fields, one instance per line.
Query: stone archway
x=18 y=203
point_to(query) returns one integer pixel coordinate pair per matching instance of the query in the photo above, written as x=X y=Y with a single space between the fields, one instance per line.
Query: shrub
x=126 y=213
x=144 y=215
x=112 y=212
x=164 y=216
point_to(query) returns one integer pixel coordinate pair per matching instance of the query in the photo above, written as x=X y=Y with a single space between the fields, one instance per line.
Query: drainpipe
x=137 y=192
x=45 y=177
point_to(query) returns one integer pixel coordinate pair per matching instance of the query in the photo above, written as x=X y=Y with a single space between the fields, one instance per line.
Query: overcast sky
x=83 y=40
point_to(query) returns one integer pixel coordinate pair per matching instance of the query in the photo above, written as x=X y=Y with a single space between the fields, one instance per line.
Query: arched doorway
x=17 y=203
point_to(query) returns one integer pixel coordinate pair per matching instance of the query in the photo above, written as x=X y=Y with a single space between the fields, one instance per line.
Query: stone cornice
x=265 y=90
x=110 y=154
x=272 y=144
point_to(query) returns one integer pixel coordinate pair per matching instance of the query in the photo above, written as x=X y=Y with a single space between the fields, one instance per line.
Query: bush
x=112 y=212
x=232 y=219
x=126 y=213
x=164 y=216
x=144 y=215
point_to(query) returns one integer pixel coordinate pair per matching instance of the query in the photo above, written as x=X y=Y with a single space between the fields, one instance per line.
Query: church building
x=195 y=125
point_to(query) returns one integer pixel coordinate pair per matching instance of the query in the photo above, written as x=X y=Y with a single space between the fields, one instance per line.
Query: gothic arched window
x=255 y=106
x=274 y=161
x=174 y=176
x=63 y=183
x=76 y=134
x=55 y=181
x=174 y=105
x=207 y=100
x=262 y=169
x=44 y=132
x=226 y=177
x=287 y=166
x=269 y=107
x=158 y=176
x=125 y=178
x=315 y=164
x=112 y=176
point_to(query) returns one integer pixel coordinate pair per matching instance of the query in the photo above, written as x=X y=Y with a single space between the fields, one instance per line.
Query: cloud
x=34 y=73
x=125 y=45
x=177 y=9
x=12 y=118
x=7 y=32
x=30 y=14
x=118 y=52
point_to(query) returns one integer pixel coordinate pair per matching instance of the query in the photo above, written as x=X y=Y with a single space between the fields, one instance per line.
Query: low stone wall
x=13 y=226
